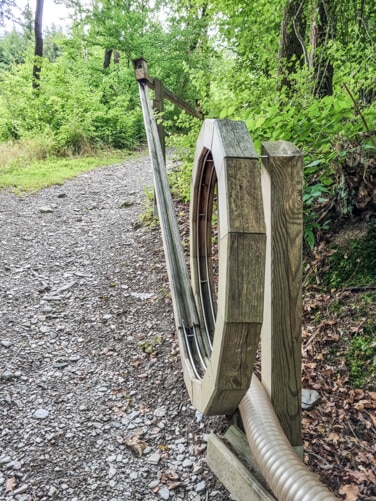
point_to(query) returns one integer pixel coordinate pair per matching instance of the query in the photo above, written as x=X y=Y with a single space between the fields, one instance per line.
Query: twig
x=357 y=107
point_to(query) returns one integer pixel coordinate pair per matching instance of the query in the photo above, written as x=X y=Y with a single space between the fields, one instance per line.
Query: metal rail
x=185 y=311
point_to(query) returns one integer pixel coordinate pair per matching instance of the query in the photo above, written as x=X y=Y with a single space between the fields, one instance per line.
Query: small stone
x=23 y=488
x=4 y=460
x=154 y=458
x=41 y=414
x=7 y=375
x=181 y=448
x=112 y=472
x=187 y=463
x=200 y=487
x=74 y=358
x=309 y=398
x=160 y=412
x=60 y=365
x=52 y=491
x=153 y=484
x=62 y=195
x=6 y=343
x=46 y=210
x=126 y=203
x=164 y=493
x=133 y=475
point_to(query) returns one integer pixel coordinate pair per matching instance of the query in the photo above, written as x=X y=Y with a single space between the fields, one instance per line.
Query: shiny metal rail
x=185 y=311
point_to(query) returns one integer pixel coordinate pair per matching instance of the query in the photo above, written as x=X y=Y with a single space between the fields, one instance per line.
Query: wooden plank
x=236 y=181
x=182 y=104
x=240 y=481
x=238 y=441
x=241 y=281
x=281 y=332
x=241 y=259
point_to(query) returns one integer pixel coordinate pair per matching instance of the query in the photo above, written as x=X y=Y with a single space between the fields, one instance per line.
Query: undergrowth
x=355 y=263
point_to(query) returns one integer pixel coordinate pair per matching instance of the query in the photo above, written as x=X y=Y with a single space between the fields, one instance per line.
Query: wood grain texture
x=238 y=479
x=241 y=259
x=281 y=347
x=158 y=105
x=239 y=444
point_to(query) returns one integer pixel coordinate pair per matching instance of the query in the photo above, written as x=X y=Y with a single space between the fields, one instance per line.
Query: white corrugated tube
x=285 y=473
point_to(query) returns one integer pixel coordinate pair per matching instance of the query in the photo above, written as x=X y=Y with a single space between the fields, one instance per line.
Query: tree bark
x=323 y=24
x=38 y=48
x=107 y=58
x=292 y=51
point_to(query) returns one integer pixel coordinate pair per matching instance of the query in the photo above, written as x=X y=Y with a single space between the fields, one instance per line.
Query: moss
x=354 y=264
x=361 y=357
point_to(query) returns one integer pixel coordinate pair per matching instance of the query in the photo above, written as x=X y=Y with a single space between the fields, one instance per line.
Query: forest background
x=302 y=71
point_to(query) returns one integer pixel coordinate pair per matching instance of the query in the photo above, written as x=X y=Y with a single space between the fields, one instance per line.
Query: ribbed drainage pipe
x=284 y=472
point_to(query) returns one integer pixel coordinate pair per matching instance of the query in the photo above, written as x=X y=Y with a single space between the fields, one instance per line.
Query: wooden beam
x=142 y=75
x=237 y=478
x=241 y=261
x=158 y=106
x=282 y=183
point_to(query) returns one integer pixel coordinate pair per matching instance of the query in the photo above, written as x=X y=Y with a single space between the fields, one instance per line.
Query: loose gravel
x=92 y=400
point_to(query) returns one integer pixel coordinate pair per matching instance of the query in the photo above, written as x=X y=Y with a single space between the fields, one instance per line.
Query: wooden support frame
x=161 y=92
x=141 y=73
x=282 y=184
x=241 y=263
x=232 y=462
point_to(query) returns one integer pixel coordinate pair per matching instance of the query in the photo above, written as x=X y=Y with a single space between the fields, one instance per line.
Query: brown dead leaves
x=135 y=443
x=10 y=484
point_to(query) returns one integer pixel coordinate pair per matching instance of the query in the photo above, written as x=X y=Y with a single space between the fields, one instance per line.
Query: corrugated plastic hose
x=285 y=473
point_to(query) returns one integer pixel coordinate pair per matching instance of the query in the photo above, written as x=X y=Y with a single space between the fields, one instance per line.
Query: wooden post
x=282 y=183
x=140 y=69
x=158 y=106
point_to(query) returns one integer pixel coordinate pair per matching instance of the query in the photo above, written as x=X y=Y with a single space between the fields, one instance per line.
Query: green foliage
x=79 y=107
x=355 y=264
x=361 y=356
x=184 y=144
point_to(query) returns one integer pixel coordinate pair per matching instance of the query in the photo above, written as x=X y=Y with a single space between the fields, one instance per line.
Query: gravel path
x=92 y=400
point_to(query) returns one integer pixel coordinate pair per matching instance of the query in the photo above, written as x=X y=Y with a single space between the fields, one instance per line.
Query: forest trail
x=92 y=398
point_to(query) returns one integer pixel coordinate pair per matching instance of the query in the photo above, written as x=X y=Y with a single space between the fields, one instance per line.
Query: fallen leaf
x=174 y=485
x=10 y=484
x=118 y=411
x=134 y=442
x=350 y=491
x=372 y=394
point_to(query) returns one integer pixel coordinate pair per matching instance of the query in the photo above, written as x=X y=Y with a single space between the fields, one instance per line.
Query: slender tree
x=38 y=48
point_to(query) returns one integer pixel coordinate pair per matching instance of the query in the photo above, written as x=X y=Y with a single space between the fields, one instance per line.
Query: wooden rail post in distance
x=282 y=183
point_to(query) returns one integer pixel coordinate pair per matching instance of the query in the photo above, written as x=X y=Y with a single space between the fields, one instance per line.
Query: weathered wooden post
x=282 y=182
x=159 y=107
x=142 y=75
x=140 y=70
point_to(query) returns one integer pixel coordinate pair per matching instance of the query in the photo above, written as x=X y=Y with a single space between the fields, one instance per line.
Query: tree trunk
x=38 y=48
x=107 y=58
x=292 y=51
x=116 y=57
x=322 y=30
